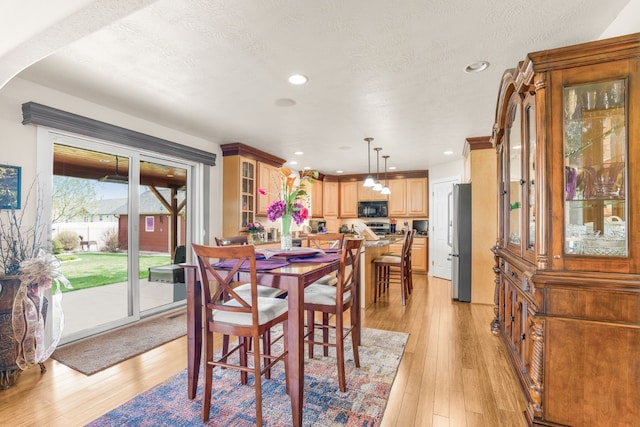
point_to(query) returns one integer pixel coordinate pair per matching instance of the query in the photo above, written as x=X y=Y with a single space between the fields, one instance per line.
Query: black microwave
x=377 y=209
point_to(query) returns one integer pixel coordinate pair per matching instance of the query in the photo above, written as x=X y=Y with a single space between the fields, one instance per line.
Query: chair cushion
x=328 y=280
x=268 y=309
x=263 y=291
x=388 y=259
x=396 y=254
x=322 y=294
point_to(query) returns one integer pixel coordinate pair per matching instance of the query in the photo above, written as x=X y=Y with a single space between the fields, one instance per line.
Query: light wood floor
x=453 y=373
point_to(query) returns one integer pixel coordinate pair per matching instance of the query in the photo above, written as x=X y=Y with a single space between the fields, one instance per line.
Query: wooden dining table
x=293 y=278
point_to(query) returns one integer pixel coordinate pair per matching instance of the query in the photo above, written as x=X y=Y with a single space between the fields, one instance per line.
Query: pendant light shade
x=377 y=186
x=385 y=189
x=369 y=182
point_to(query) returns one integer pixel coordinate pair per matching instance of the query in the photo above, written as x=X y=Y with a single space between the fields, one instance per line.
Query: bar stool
x=395 y=269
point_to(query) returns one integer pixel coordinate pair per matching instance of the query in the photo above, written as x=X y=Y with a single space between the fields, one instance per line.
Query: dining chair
x=335 y=300
x=233 y=240
x=245 y=288
x=247 y=316
x=326 y=241
x=391 y=269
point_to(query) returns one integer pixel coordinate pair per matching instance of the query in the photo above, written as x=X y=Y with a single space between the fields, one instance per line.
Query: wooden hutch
x=567 y=136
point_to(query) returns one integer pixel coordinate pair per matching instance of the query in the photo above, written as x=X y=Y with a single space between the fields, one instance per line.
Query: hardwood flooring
x=453 y=373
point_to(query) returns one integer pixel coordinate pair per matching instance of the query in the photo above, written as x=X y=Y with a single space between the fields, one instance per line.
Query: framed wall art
x=10 y=182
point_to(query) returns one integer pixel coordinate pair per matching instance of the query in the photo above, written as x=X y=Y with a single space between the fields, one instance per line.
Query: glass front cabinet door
x=595 y=162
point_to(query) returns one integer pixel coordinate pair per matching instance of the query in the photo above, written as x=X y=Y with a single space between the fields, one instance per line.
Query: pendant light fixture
x=377 y=186
x=369 y=182
x=385 y=189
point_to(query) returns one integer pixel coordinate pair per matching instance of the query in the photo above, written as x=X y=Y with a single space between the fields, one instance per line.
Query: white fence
x=90 y=231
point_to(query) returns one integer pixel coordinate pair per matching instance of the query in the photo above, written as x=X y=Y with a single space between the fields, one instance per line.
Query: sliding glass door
x=119 y=216
x=163 y=223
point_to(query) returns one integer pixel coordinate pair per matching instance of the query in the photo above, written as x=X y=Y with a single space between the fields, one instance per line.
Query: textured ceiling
x=389 y=70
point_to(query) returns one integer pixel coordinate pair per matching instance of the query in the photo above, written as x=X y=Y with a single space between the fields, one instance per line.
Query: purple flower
x=276 y=209
x=298 y=213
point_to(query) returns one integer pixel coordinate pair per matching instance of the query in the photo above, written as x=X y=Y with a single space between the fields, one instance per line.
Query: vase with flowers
x=289 y=207
x=256 y=232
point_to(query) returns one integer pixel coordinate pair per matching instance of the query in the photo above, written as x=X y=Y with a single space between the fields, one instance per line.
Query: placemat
x=318 y=258
x=261 y=265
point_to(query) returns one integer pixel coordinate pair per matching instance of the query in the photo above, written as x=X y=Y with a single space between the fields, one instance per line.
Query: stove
x=380 y=226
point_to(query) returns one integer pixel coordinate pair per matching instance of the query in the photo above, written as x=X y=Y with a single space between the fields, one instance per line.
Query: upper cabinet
x=239 y=195
x=408 y=197
x=269 y=181
x=417 y=197
x=246 y=169
x=398 y=197
x=367 y=194
x=330 y=203
x=567 y=138
x=349 y=199
x=316 y=190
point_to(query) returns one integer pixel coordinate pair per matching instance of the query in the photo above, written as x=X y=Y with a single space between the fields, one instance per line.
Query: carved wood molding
x=590 y=53
x=536 y=372
x=240 y=149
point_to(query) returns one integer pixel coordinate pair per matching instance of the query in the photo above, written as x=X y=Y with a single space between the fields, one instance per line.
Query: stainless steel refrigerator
x=461 y=243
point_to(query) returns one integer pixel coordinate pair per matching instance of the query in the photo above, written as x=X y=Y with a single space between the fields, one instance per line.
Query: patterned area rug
x=233 y=404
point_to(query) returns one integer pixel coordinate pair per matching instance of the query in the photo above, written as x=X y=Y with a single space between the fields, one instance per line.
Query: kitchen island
x=371 y=250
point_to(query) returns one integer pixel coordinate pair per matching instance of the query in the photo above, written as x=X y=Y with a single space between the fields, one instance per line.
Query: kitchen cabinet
x=408 y=198
x=330 y=199
x=417 y=197
x=349 y=199
x=419 y=253
x=239 y=194
x=398 y=198
x=316 y=190
x=567 y=138
x=269 y=181
x=244 y=170
x=367 y=194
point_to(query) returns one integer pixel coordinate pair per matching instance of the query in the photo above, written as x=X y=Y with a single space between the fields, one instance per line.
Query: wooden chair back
x=349 y=270
x=233 y=240
x=325 y=240
x=218 y=285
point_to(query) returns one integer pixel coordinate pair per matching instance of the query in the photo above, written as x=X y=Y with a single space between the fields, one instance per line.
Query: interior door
x=440 y=235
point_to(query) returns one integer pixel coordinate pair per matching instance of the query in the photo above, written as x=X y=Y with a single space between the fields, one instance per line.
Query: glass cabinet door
x=515 y=173
x=248 y=191
x=530 y=138
x=595 y=153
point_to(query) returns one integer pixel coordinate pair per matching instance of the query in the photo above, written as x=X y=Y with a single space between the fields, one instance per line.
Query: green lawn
x=87 y=270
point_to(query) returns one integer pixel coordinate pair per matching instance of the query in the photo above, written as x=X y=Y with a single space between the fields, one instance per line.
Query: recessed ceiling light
x=307 y=168
x=299 y=153
x=293 y=162
x=339 y=171
x=392 y=168
x=297 y=79
x=285 y=102
x=448 y=153
x=476 y=67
